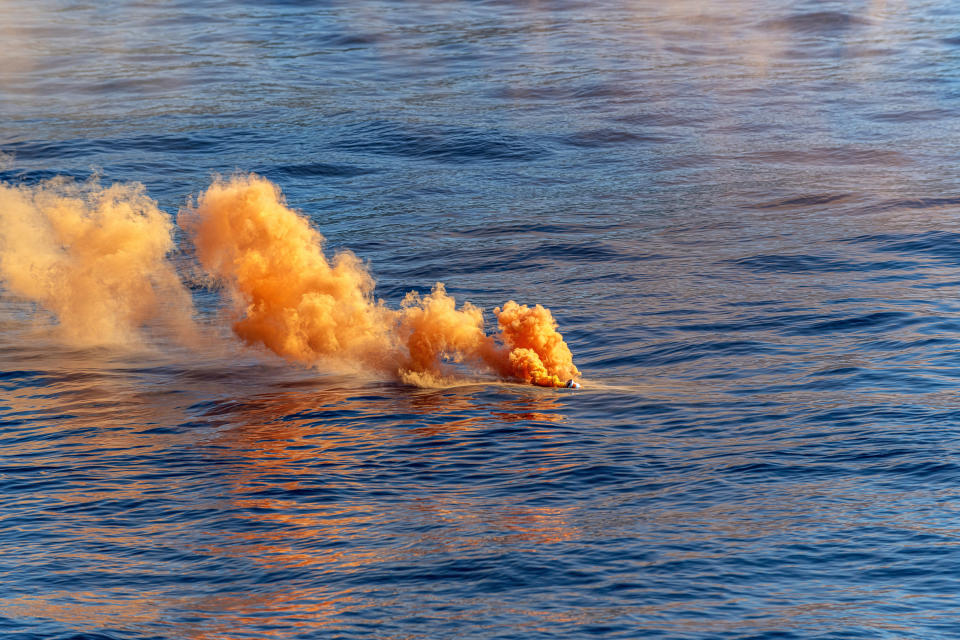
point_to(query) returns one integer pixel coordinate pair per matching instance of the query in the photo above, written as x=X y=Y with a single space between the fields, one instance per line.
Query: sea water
x=745 y=217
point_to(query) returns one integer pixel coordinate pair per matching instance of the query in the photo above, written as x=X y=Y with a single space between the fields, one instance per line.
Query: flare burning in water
x=298 y=303
x=96 y=258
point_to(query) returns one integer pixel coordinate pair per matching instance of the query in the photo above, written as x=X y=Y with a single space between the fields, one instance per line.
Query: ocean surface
x=744 y=215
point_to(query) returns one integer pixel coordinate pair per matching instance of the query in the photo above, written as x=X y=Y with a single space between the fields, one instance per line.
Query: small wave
x=194 y=142
x=812 y=200
x=317 y=169
x=604 y=137
x=351 y=39
x=31 y=177
x=918 y=115
x=885 y=320
x=942 y=245
x=812 y=263
x=513 y=230
x=830 y=155
x=677 y=352
x=916 y=203
x=656 y=119
x=553 y=92
x=450 y=144
x=816 y=22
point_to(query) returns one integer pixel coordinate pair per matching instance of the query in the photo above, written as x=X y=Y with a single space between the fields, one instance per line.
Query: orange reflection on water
x=281 y=441
x=273 y=445
x=223 y=615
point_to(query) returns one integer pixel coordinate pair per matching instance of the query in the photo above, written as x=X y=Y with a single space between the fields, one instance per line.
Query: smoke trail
x=298 y=303
x=93 y=256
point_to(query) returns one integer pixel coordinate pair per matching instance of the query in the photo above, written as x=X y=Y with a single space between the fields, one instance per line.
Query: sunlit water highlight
x=743 y=215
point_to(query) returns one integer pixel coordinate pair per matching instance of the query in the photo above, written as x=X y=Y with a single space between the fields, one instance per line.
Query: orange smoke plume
x=538 y=353
x=291 y=298
x=95 y=257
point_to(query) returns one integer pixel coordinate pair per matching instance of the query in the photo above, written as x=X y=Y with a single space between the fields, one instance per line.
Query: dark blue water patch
x=859 y=323
x=439 y=143
x=194 y=142
x=606 y=278
x=902 y=379
x=676 y=352
x=933 y=202
x=920 y=115
x=934 y=286
x=841 y=156
x=942 y=245
x=582 y=251
x=559 y=92
x=496 y=259
x=496 y=262
x=537 y=227
x=54 y=379
x=140 y=86
x=350 y=40
x=610 y=362
x=818 y=48
x=822 y=23
x=925 y=471
x=749 y=322
x=742 y=128
x=927 y=242
x=18 y=377
x=99 y=635
x=812 y=200
x=32 y=177
x=611 y=137
x=898 y=421
x=782 y=472
x=314 y=170
x=900 y=349
x=657 y=119
x=813 y=263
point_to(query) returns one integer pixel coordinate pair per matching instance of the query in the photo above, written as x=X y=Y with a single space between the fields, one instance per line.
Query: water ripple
x=743 y=216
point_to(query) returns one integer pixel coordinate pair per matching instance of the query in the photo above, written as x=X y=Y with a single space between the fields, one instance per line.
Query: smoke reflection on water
x=282 y=481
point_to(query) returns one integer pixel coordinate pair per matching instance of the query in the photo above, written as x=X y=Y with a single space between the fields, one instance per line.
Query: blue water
x=744 y=216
